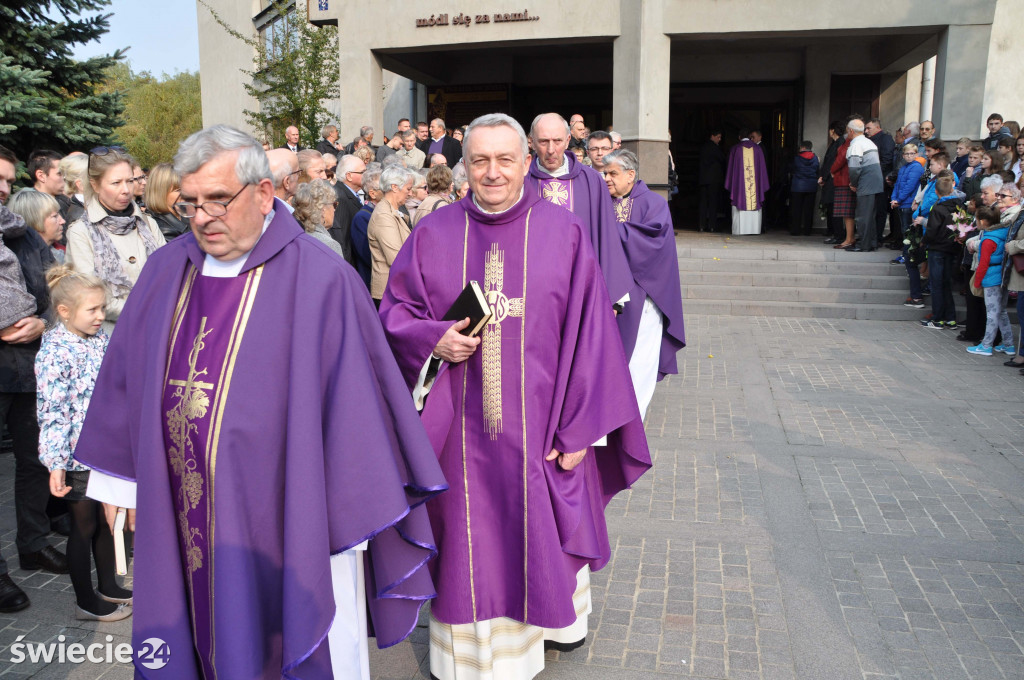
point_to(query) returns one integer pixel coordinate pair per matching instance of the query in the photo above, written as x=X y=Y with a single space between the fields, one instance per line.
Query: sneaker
x=928 y=323
x=950 y=325
x=916 y=304
x=926 y=291
x=898 y=260
x=980 y=349
x=1005 y=349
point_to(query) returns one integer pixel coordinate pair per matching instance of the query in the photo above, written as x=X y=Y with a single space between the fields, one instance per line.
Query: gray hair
x=408 y=133
x=1013 y=190
x=857 y=125
x=995 y=182
x=623 y=158
x=365 y=131
x=533 y=125
x=439 y=122
x=914 y=128
x=310 y=200
x=616 y=136
x=392 y=160
x=347 y=163
x=493 y=120
x=371 y=178
x=395 y=176
x=458 y=183
x=419 y=178
x=202 y=147
x=328 y=130
x=34 y=207
x=331 y=156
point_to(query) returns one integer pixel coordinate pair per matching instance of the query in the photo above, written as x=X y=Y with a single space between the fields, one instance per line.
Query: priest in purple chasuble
x=250 y=405
x=557 y=177
x=535 y=422
x=746 y=180
x=652 y=322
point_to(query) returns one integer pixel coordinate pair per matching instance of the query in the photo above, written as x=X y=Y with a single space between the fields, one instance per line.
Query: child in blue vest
x=989 y=277
x=66 y=367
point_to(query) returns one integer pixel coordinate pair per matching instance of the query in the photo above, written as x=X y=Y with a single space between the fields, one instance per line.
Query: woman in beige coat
x=113 y=238
x=388 y=228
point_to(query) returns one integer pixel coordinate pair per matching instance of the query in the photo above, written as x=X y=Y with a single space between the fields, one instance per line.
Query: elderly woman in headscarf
x=113 y=238
x=314 y=207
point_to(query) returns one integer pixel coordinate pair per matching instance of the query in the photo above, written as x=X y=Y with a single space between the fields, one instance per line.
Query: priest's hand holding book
x=454 y=347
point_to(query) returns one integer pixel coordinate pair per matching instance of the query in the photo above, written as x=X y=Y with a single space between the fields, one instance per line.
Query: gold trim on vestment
x=252 y=283
x=522 y=396
x=750 y=177
x=494 y=281
x=465 y=467
x=623 y=208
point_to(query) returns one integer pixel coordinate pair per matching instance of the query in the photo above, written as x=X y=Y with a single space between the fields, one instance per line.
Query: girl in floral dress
x=66 y=368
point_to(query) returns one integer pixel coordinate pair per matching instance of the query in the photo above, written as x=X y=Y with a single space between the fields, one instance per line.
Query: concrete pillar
x=927 y=88
x=960 y=80
x=1004 y=57
x=640 y=87
x=362 y=101
x=913 y=109
x=817 y=94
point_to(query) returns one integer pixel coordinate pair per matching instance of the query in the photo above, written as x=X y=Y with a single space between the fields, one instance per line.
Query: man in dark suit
x=439 y=142
x=350 y=180
x=291 y=135
x=330 y=140
x=886 y=150
x=711 y=180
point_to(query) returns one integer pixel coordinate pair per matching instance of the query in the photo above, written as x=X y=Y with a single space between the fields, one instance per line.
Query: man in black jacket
x=886 y=149
x=439 y=142
x=710 y=180
x=938 y=240
x=328 y=143
x=291 y=136
x=350 y=180
x=834 y=226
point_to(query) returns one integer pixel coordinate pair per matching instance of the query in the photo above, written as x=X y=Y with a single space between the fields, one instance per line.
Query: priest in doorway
x=248 y=402
x=746 y=180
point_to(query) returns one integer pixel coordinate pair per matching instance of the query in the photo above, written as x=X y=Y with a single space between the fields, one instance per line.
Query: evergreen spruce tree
x=48 y=99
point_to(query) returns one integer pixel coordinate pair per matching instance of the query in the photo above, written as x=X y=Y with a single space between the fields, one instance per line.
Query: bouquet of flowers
x=962 y=226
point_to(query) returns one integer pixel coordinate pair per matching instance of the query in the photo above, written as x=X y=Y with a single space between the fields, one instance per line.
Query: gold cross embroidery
x=556 y=192
x=501 y=308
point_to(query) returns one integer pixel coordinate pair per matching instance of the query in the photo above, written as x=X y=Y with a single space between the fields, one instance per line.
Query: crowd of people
x=279 y=316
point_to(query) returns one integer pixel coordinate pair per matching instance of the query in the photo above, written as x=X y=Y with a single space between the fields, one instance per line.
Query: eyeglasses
x=1004 y=195
x=103 y=151
x=211 y=208
x=140 y=178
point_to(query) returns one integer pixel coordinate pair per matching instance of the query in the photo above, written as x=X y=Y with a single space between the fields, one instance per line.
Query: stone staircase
x=786 y=276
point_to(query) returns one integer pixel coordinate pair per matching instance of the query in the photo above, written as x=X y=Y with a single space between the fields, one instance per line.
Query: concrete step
x=795 y=294
x=793 y=267
x=809 y=281
x=820 y=310
x=783 y=253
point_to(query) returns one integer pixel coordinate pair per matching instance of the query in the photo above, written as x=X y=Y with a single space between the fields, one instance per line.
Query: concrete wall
x=1003 y=94
x=221 y=57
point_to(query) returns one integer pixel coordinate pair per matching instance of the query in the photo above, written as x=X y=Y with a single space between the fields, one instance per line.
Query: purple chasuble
x=650 y=245
x=550 y=372
x=746 y=176
x=304 y=444
x=583 y=192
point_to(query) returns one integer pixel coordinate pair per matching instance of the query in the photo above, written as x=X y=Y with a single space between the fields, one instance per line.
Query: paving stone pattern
x=831 y=500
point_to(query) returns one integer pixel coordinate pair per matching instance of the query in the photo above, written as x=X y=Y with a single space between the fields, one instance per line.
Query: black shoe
x=61 y=525
x=48 y=559
x=854 y=249
x=1014 y=364
x=831 y=241
x=962 y=337
x=12 y=598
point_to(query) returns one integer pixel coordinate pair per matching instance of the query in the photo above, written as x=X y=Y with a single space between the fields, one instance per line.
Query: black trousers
x=801 y=212
x=881 y=213
x=710 y=197
x=31 y=479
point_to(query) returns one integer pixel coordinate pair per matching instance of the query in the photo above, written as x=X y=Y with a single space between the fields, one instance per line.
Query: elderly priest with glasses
x=535 y=424
x=249 y=403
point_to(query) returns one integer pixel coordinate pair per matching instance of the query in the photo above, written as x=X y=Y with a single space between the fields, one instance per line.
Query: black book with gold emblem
x=471 y=304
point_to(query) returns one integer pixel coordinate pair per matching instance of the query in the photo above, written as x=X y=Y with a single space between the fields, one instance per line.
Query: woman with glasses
x=314 y=207
x=113 y=238
x=1009 y=202
x=163 y=189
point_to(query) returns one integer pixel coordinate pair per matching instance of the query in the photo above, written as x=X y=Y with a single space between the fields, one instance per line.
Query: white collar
x=438 y=139
x=563 y=169
x=499 y=212
x=221 y=269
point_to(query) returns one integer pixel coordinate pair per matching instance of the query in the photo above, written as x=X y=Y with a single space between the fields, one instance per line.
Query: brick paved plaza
x=831 y=499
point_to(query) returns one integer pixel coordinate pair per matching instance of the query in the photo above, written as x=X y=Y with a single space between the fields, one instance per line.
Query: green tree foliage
x=47 y=98
x=294 y=71
x=159 y=112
